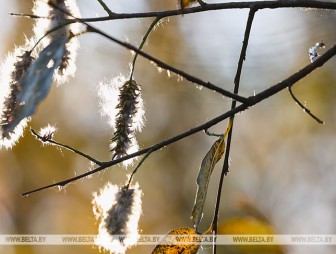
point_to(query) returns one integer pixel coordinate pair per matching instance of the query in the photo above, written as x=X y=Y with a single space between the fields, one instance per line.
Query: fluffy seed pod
x=128 y=120
x=12 y=72
x=118 y=210
x=53 y=14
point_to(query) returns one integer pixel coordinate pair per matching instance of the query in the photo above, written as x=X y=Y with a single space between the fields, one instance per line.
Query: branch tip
x=304 y=108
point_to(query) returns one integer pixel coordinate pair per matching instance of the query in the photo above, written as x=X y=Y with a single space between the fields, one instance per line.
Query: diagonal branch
x=159 y=63
x=166 y=66
x=251 y=101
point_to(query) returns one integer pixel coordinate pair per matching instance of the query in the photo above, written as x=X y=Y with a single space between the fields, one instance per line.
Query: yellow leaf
x=208 y=164
x=185 y=3
x=173 y=244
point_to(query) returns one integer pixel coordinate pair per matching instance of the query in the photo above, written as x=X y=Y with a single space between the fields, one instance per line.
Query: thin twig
x=31 y=16
x=161 y=64
x=212 y=7
x=219 y=6
x=51 y=31
x=251 y=101
x=166 y=66
x=225 y=168
x=53 y=142
x=138 y=166
x=305 y=109
x=149 y=30
x=106 y=8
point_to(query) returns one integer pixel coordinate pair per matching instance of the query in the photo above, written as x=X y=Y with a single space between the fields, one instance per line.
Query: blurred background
x=283 y=164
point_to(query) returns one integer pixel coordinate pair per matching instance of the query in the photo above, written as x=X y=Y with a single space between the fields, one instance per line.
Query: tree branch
x=53 y=142
x=160 y=63
x=149 y=30
x=225 y=168
x=258 y=5
x=166 y=66
x=106 y=8
x=305 y=109
x=251 y=101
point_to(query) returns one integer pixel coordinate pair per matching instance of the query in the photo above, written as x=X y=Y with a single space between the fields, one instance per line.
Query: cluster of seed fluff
x=57 y=13
x=128 y=120
x=12 y=72
x=118 y=210
x=15 y=66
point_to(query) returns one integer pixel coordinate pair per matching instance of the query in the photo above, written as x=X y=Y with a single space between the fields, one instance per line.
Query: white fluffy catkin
x=52 y=17
x=118 y=210
x=12 y=71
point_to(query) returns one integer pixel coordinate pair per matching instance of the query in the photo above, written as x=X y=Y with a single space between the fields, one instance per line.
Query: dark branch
x=225 y=169
x=161 y=64
x=305 y=109
x=53 y=142
x=106 y=8
x=251 y=101
x=257 y=5
x=166 y=66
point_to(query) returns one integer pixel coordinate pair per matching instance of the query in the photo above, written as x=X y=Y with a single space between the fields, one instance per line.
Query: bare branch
x=106 y=8
x=159 y=63
x=149 y=30
x=305 y=109
x=53 y=142
x=225 y=169
x=257 y=5
x=166 y=66
x=251 y=101
x=138 y=166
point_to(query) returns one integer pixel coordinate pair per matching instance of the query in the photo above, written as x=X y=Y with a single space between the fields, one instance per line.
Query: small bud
x=119 y=210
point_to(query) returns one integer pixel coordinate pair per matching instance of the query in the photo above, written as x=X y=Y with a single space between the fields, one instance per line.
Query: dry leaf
x=185 y=3
x=178 y=241
x=209 y=161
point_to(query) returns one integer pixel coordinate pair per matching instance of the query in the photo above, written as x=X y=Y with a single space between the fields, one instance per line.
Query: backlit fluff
x=118 y=210
x=12 y=71
x=52 y=17
x=120 y=100
x=129 y=119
